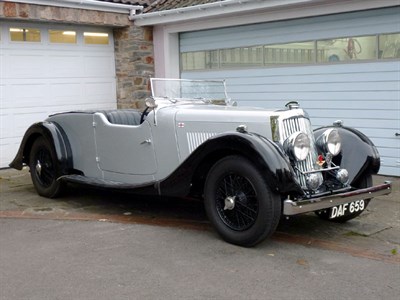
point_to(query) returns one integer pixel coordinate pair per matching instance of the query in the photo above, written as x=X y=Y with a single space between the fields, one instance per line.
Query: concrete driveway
x=93 y=244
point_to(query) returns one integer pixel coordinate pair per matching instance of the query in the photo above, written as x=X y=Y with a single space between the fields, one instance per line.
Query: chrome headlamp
x=297 y=146
x=330 y=142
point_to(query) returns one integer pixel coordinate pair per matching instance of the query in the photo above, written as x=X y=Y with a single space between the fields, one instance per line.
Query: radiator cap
x=292 y=105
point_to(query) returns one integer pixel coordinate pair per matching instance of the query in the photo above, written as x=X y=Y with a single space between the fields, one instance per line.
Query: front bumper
x=291 y=207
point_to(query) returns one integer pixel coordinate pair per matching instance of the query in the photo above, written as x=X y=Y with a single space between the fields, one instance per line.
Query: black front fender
x=55 y=135
x=261 y=151
x=358 y=156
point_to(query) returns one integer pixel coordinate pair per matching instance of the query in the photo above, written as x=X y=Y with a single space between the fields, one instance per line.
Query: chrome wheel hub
x=38 y=168
x=229 y=203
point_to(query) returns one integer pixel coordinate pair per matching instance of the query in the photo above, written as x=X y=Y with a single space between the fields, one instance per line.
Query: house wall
x=134 y=58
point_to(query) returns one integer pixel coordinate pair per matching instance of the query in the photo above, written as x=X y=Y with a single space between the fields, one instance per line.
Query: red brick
x=149 y=59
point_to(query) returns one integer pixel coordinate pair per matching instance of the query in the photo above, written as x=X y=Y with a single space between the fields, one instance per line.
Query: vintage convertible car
x=250 y=165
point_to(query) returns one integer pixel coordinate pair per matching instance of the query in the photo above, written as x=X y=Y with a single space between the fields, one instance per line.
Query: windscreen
x=181 y=89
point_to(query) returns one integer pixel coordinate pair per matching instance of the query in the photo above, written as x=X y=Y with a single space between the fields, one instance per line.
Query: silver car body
x=180 y=145
x=154 y=149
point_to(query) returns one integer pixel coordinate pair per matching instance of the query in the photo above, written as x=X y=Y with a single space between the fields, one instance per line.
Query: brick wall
x=133 y=45
x=134 y=65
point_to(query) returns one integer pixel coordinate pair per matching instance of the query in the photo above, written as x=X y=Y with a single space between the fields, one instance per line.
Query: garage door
x=45 y=69
x=338 y=67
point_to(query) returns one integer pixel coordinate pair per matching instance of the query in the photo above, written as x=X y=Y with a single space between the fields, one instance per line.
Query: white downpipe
x=87 y=4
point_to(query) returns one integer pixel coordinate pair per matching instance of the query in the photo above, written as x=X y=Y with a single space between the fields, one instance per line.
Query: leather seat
x=123 y=116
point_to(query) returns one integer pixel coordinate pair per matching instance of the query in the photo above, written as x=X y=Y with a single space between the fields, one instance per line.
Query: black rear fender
x=358 y=156
x=263 y=153
x=55 y=135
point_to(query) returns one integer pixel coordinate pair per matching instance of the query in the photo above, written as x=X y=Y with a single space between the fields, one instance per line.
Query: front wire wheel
x=239 y=203
x=236 y=202
x=44 y=169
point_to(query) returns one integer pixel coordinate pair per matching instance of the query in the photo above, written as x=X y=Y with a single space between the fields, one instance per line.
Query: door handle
x=397 y=134
x=148 y=141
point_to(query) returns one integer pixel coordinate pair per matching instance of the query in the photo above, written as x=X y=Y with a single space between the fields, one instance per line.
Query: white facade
x=44 y=76
x=363 y=92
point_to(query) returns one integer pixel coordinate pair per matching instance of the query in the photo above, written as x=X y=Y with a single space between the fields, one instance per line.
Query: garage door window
x=389 y=46
x=96 y=38
x=343 y=49
x=62 y=36
x=292 y=53
x=241 y=57
x=25 y=35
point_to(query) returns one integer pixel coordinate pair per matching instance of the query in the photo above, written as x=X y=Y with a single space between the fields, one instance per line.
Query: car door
x=124 y=149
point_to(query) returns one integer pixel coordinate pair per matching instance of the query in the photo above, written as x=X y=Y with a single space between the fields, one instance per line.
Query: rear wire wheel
x=43 y=167
x=239 y=203
x=364 y=182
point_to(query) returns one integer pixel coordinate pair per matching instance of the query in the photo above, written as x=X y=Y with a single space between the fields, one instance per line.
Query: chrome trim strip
x=291 y=207
x=322 y=170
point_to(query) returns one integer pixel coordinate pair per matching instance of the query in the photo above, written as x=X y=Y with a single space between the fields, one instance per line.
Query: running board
x=108 y=184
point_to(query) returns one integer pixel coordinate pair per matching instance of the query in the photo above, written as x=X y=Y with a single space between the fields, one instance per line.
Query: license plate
x=346 y=209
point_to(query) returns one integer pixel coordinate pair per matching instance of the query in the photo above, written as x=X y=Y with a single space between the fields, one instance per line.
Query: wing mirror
x=151 y=103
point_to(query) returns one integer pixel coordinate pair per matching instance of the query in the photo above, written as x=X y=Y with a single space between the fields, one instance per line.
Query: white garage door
x=45 y=69
x=338 y=67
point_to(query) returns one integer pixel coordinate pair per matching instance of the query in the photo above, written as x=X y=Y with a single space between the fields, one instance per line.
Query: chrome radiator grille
x=292 y=125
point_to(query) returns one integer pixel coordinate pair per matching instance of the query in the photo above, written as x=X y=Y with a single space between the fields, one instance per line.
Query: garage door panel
x=23 y=120
x=351 y=122
x=2 y=63
x=390 y=165
x=2 y=91
x=65 y=66
x=387 y=135
x=98 y=90
x=328 y=104
x=25 y=91
x=14 y=125
x=391 y=142
x=5 y=119
x=62 y=92
x=320 y=96
x=390 y=152
x=349 y=77
x=24 y=65
x=7 y=146
x=38 y=79
x=298 y=71
x=393 y=170
x=317 y=87
x=99 y=65
x=346 y=113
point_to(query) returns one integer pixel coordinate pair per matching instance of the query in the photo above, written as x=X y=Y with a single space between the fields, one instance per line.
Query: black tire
x=362 y=183
x=253 y=210
x=44 y=168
